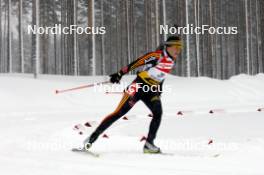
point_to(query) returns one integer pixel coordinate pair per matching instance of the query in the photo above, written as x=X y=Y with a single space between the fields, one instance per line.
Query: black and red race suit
x=156 y=65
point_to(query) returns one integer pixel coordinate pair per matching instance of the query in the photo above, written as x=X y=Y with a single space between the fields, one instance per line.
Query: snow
x=36 y=127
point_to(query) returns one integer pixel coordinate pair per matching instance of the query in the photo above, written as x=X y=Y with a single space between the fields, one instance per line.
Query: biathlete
x=157 y=65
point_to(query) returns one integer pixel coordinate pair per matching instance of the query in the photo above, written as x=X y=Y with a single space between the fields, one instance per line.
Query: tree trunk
x=75 y=49
x=164 y=17
x=91 y=36
x=21 y=46
x=1 y=56
x=9 y=38
x=35 y=39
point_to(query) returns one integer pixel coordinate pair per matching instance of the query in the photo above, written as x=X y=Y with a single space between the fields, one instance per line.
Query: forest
x=132 y=28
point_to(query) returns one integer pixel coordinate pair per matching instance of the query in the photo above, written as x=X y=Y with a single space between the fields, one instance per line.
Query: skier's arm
x=150 y=58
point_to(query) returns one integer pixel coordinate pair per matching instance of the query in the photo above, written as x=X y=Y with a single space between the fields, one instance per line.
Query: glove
x=116 y=77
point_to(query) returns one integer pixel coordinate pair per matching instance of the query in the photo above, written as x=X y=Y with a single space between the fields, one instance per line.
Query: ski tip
x=216 y=155
x=83 y=150
x=77 y=149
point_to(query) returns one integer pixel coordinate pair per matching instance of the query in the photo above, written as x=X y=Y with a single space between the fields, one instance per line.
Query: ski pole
x=81 y=87
x=108 y=92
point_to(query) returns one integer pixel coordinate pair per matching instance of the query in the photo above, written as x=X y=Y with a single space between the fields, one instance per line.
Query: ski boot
x=150 y=148
x=87 y=144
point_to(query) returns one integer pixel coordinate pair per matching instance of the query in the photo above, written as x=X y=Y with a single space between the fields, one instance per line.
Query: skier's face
x=174 y=51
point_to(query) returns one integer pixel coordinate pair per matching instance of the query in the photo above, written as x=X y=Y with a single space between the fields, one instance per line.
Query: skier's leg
x=124 y=106
x=154 y=104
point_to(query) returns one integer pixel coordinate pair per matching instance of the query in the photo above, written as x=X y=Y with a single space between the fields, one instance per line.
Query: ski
x=167 y=154
x=161 y=153
x=82 y=150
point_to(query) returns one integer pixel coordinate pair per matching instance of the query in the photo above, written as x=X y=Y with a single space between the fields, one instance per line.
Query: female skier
x=145 y=87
